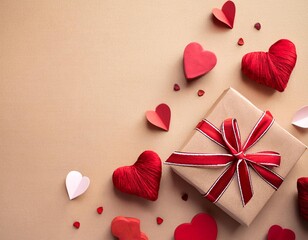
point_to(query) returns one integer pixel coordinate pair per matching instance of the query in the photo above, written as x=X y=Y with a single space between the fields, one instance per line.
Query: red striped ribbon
x=236 y=160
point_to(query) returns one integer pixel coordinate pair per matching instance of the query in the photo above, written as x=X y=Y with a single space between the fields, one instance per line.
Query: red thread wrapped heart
x=272 y=68
x=278 y=233
x=142 y=178
x=202 y=227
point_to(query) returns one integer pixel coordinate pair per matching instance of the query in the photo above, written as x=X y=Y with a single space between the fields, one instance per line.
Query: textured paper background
x=76 y=78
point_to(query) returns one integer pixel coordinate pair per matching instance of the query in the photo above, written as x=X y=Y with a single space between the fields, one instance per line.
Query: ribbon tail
x=244 y=181
x=269 y=176
x=266 y=158
x=221 y=184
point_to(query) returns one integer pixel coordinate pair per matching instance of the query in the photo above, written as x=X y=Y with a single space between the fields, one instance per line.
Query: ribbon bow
x=237 y=160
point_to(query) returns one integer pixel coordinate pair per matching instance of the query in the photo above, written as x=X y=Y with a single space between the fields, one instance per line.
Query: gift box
x=237 y=157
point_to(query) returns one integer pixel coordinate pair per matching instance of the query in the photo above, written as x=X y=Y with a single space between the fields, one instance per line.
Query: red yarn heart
x=272 y=68
x=202 y=227
x=302 y=188
x=141 y=179
x=278 y=233
x=197 y=61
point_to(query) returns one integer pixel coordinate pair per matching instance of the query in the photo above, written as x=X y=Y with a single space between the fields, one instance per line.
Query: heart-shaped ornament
x=278 y=233
x=202 y=227
x=227 y=13
x=126 y=228
x=142 y=178
x=272 y=68
x=160 y=117
x=76 y=184
x=197 y=61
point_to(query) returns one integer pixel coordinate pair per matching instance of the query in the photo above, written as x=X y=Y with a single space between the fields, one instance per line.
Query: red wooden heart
x=202 y=227
x=160 y=117
x=227 y=13
x=278 y=233
x=125 y=228
x=197 y=62
x=272 y=68
x=142 y=178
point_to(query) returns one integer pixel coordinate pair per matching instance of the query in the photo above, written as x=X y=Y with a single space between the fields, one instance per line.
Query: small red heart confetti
x=257 y=26
x=176 y=87
x=240 y=42
x=76 y=224
x=159 y=220
x=278 y=233
x=185 y=197
x=200 y=93
x=99 y=210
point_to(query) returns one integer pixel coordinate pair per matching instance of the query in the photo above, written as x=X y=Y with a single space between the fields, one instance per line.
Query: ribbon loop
x=237 y=161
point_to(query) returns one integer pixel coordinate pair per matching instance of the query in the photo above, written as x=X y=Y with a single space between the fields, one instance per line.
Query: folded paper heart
x=160 y=117
x=76 y=184
x=227 y=13
x=278 y=233
x=197 y=61
x=126 y=228
x=202 y=227
x=142 y=178
x=272 y=68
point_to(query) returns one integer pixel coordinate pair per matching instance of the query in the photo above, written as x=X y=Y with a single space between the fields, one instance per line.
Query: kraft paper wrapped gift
x=232 y=104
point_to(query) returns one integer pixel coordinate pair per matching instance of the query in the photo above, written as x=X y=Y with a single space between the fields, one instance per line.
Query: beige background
x=76 y=78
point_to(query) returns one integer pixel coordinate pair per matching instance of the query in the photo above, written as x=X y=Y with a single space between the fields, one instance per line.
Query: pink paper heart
x=227 y=13
x=278 y=233
x=197 y=61
x=202 y=227
x=160 y=117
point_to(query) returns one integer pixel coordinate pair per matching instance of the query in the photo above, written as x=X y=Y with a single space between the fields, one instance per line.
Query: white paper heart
x=300 y=118
x=76 y=184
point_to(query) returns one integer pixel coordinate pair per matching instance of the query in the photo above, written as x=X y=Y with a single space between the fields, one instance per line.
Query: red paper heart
x=227 y=13
x=141 y=179
x=197 y=61
x=202 y=227
x=160 y=117
x=125 y=228
x=278 y=233
x=272 y=68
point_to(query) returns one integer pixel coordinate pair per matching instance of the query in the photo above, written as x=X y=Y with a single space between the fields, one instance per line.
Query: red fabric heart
x=141 y=179
x=227 y=13
x=197 y=62
x=160 y=117
x=272 y=68
x=278 y=233
x=125 y=228
x=202 y=227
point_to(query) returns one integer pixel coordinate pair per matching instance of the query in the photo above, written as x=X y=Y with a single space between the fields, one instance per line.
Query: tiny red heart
x=197 y=61
x=159 y=220
x=142 y=178
x=227 y=13
x=200 y=93
x=160 y=117
x=76 y=224
x=176 y=87
x=99 y=210
x=202 y=227
x=185 y=197
x=258 y=26
x=240 y=42
x=278 y=233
